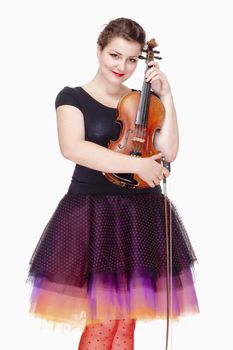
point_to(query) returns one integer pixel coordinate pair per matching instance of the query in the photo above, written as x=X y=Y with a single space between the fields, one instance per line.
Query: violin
x=140 y=115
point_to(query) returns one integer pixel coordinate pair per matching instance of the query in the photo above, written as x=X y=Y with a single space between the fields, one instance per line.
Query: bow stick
x=150 y=56
x=167 y=165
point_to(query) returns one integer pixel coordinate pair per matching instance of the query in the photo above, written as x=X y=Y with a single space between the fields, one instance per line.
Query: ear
x=98 y=51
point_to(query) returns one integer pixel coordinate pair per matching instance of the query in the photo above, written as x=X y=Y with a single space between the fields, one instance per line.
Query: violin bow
x=168 y=222
x=168 y=233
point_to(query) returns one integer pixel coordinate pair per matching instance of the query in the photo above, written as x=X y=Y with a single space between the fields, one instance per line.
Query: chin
x=115 y=82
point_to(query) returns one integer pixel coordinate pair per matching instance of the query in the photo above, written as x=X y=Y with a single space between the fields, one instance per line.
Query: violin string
x=145 y=121
x=142 y=121
x=137 y=130
x=140 y=125
x=141 y=129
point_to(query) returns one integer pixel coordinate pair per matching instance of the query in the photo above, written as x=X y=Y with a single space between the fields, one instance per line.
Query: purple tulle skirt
x=103 y=257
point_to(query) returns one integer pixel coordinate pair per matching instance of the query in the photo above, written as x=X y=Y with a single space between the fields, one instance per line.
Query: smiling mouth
x=118 y=74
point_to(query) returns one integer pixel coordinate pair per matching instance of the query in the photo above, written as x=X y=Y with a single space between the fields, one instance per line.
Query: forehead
x=124 y=47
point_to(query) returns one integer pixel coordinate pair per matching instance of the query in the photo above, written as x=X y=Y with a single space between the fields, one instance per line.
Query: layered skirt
x=103 y=257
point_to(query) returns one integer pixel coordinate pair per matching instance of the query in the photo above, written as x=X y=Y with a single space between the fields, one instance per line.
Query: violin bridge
x=138 y=139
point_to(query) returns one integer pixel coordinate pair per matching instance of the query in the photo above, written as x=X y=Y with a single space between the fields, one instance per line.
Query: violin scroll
x=150 y=51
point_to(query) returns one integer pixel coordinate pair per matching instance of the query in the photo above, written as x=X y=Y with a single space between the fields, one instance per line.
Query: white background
x=47 y=45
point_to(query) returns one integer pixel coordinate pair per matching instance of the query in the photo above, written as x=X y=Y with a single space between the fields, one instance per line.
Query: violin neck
x=142 y=112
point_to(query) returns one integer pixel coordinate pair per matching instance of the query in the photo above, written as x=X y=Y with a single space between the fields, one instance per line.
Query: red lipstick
x=118 y=74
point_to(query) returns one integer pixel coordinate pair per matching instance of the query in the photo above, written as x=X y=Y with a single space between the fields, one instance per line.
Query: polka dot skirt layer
x=103 y=257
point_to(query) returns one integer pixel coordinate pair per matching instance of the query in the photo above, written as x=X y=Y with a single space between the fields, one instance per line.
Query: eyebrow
x=121 y=54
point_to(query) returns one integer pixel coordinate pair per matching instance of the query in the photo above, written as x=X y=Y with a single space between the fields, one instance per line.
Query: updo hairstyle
x=122 y=27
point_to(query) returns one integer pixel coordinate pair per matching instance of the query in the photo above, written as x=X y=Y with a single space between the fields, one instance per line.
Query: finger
x=166 y=172
x=154 y=67
x=152 y=73
x=154 y=79
x=155 y=182
x=153 y=63
x=151 y=70
x=163 y=173
x=152 y=184
x=152 y=76
x=157 y=156
x=160 y=177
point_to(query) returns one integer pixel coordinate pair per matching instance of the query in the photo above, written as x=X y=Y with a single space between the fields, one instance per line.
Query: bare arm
x=167 y=139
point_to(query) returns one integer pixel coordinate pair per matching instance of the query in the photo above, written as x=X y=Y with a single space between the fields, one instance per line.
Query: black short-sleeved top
x=100 y=128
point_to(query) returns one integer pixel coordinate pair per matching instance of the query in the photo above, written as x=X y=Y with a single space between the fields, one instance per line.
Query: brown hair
x=122 y=27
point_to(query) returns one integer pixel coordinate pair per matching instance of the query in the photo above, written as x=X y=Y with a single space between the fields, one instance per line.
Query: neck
x=107 y=89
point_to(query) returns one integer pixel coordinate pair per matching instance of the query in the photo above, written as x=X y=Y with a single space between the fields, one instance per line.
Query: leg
x=124 y=337
x=99 y=336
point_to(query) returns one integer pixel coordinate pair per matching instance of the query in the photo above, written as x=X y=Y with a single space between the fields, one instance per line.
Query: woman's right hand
x=150 y=171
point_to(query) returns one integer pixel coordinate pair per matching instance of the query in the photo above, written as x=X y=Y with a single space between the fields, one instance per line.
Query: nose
x=121 y=66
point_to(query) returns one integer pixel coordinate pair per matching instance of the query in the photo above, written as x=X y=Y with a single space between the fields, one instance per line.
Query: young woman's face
x=118 y=60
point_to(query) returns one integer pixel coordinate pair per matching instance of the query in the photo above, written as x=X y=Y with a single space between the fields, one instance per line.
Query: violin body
x=137 y=136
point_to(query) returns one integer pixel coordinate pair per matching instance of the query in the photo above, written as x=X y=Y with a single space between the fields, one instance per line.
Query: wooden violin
x=140 y=114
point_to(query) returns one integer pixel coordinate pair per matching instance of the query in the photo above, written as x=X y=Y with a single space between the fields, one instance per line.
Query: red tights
x=111 y=335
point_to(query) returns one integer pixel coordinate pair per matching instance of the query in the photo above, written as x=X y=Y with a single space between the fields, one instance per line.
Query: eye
x=113 y=55
x=133 y=60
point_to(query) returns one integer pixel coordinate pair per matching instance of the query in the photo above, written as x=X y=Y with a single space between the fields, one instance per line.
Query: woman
x=101 y=260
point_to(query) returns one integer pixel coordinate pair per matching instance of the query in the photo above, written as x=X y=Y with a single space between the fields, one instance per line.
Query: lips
x=118 y=74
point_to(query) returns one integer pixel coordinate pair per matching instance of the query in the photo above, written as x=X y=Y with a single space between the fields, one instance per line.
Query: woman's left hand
x=158 y=80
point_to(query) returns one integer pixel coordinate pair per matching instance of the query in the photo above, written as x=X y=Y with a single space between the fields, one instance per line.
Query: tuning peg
x=142 y=57
x=156 y=51
x=158 y=58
